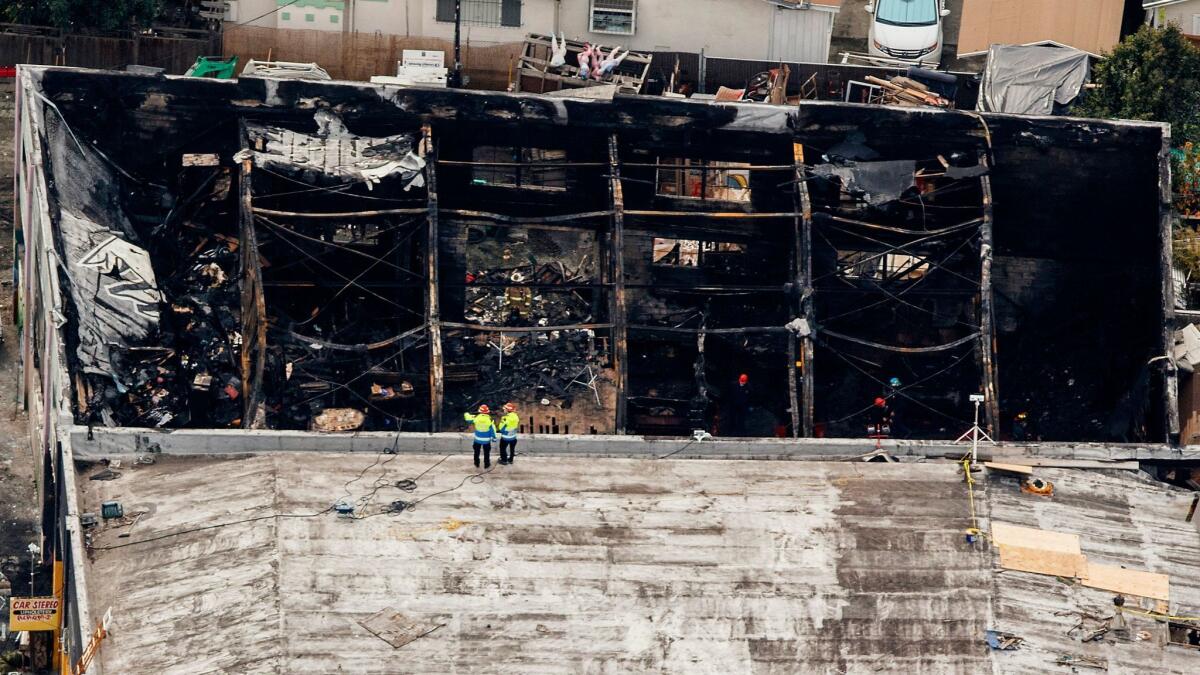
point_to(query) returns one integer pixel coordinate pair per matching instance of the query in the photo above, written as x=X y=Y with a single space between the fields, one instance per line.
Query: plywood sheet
x=1128 y=582
x=1029 y=549
x=1011 y=468
x=1029 y=537
x=1056 y=563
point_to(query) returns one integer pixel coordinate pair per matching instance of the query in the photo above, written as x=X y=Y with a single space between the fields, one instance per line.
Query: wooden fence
x=171 y=49
x=358 y=56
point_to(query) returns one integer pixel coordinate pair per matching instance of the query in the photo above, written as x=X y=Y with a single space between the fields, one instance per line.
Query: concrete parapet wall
x=116 y=442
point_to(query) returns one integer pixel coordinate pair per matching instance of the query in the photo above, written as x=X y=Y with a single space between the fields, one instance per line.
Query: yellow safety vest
x=509 y=424
x=485 y=429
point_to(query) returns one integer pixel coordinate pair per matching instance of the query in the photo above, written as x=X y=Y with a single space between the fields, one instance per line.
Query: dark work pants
x=487 y=454
x=508 y=450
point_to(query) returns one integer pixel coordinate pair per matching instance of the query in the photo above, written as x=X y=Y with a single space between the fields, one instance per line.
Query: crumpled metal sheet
x=337 y=153
x=875 y=182
x=113 y=289
x=1032 y=80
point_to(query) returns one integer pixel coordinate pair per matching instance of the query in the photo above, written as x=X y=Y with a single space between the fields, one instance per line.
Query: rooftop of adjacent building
x=566 y=564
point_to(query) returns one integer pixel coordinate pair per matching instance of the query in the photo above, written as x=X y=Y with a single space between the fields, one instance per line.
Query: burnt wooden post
x=617 y=307
x=253 y=305
x=797 y=274
x=433 y=314
x=987 y=328
x=1170 y=381
x=804 y=283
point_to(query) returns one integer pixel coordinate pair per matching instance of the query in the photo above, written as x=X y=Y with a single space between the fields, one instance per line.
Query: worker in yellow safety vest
x=485 y=433
x=509 y=424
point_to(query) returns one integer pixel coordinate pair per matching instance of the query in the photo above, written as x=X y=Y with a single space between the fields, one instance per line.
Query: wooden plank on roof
x=1011 y=468
x=1029 y=537
x=1127 y=582
x=1040 y=561
x=1028 y=549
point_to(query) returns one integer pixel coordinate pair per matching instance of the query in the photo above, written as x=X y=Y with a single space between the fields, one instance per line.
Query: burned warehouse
x=297 y=255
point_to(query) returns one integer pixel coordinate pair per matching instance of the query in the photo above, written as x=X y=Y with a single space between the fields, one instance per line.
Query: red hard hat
x=510 y=407
x=483 y=410
x=743 y=378
x=879 y=402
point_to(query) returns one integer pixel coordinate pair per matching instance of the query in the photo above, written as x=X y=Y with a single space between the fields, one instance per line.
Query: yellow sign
x=33 y=614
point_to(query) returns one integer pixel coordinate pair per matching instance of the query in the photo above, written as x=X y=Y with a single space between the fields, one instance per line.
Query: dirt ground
x=17 y=486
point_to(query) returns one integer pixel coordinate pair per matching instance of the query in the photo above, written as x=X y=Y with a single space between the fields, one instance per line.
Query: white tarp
x=1031 y=80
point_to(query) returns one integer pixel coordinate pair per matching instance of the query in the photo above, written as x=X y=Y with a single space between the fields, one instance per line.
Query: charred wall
x=615 y=266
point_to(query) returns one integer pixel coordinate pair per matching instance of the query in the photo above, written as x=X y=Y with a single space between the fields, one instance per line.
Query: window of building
x=614 y=16
x=334 y=18
x=690 y=253
x=286 y=16
x=702 y=179
x=482 y=12
x=508 y=172
x=310 y=17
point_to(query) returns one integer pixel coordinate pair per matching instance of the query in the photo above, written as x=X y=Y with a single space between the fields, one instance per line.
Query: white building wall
x=1185 y=14
x=722 y=28
x=310 y=18
x=391 y=17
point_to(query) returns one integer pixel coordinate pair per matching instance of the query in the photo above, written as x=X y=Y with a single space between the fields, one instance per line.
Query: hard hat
x=483 y=410
x=509 y=407
x=895 y=382
x=879 y=402
x=743 y=378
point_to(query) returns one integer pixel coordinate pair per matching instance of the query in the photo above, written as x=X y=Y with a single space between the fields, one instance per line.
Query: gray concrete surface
x=587 y=566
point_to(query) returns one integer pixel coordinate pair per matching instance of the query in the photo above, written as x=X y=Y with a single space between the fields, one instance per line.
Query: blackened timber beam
x=807 y=306
x=797 y=274
x=433 y=314
x=253 y=305
x=618 y=309
x=713 y=215
x=1166 y=217
x=743 y=330
x=483 y=328
x=987 y=328
x=339 y=215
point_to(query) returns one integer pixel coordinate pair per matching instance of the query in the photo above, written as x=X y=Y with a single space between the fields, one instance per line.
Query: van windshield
x=907 y=12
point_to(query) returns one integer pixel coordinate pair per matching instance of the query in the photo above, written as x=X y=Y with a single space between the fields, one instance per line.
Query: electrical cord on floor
x=676 y=452
x=407 y=485
x=167 y=535
x=475 y=478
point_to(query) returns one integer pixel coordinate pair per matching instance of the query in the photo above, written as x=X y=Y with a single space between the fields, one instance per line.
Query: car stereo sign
x=33 y=614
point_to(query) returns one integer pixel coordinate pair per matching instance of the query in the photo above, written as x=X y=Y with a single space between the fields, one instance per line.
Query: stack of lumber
x=901 y=90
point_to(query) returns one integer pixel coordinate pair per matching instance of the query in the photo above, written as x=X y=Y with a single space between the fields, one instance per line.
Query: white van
x=907 y=30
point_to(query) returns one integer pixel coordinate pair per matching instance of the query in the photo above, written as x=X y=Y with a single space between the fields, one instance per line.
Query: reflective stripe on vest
x=485 y=430
x=509 y=424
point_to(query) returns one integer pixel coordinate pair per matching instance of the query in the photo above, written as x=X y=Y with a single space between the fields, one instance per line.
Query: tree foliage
x=1153 y=74
x=82 y=14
